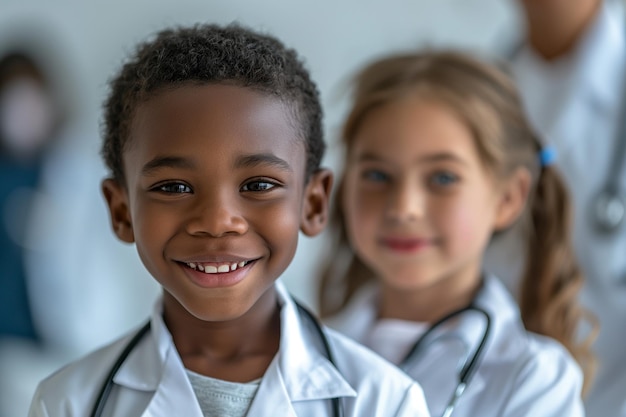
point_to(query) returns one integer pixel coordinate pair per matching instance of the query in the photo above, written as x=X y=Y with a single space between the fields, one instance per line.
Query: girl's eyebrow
x=433 y=157
x=443 y=157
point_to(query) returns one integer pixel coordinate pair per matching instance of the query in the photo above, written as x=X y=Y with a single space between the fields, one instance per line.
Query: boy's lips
x=224 y=273
x=217 y=267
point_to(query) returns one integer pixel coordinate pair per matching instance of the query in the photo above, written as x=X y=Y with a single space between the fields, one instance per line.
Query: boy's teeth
x=212 y=269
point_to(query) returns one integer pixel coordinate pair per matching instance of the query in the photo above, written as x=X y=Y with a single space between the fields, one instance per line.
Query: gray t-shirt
x=218 y=398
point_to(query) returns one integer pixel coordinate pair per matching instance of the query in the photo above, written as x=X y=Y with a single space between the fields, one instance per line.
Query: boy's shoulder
x=85 y=374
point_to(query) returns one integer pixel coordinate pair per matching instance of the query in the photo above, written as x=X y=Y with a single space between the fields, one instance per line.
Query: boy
x=214 y=140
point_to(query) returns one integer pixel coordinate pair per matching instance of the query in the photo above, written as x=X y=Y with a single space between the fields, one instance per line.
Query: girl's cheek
x=468 y=228
x=461 y=224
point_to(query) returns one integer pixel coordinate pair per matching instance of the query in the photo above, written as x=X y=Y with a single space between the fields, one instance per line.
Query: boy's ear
x=117 y=201
x=513 y=199
x=316 y=201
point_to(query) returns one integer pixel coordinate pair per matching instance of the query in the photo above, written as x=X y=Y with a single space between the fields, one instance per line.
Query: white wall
x=334 y=37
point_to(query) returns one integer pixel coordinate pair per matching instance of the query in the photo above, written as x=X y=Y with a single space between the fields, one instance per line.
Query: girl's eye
x=257 y=186
x=444 y=179
x=173 y=188
x=374 y=176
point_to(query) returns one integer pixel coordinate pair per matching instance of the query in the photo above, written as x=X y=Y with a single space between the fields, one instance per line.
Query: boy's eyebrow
x=244 y=161
x=166 y=162
x=252 y=160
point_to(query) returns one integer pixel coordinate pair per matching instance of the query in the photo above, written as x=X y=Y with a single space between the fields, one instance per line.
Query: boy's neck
x=238 y=350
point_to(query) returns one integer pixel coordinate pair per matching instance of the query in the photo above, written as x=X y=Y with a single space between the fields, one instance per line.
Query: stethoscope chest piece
x=609 y=210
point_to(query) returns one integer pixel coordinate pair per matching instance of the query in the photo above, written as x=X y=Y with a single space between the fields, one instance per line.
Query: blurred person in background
x=30 y=120
x=27 y=124
x=571 y=71
x=56 y=286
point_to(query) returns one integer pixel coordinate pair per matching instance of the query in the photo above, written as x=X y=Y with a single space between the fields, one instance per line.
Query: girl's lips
x=405 y=245
x=217 y=275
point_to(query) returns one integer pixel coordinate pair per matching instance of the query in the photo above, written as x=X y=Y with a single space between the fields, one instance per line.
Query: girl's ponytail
x=552 y=278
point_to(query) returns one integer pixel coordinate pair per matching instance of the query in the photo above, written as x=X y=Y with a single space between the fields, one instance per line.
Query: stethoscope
x=465 y=375
x=105 y=391
x=609 y=205
x=471 y=363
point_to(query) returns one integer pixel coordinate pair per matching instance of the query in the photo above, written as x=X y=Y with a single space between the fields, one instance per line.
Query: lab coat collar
x=494 y=298
x=297 y=373
x=361 y=312
x=155 y=366
x=144 y=367
x=358 y=317
x=311 y=375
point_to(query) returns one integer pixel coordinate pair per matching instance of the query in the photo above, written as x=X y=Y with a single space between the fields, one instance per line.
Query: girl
x=439 y=157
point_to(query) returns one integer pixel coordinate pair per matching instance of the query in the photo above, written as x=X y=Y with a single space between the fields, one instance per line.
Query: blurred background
x=68 y=285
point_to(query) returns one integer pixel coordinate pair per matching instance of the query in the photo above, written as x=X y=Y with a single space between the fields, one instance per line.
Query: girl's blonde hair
x=486 y=99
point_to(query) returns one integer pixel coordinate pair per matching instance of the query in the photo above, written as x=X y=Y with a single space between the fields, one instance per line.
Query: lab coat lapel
x=155 y=366
x=438 y=366
x=272 y=398
x=300 y=372
x=494 y=298
x=174 y=395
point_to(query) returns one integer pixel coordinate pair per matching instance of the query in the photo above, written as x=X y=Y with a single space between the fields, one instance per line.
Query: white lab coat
x=574 y=104
x=300 y=381
x=521 y=374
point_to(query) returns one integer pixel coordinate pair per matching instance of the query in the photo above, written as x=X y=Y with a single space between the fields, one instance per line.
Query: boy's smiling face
x=216 y=195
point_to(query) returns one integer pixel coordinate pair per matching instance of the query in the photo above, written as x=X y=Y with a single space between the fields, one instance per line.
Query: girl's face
x=418 y=202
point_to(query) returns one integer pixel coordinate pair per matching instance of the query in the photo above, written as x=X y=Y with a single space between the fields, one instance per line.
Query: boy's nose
x=217 y=216
x=406 y=202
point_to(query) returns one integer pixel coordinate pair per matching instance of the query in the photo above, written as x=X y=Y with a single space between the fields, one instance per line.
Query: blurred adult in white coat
x=571 y=72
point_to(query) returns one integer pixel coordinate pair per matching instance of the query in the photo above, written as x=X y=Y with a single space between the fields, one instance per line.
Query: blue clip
x=547 y=156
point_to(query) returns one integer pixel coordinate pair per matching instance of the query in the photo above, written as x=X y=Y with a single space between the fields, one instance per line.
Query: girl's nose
x=217 y=216
x=406 y=202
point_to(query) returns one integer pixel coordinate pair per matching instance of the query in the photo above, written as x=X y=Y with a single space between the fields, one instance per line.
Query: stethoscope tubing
x=609 y=205
x=105 y=391
x=107 y=386
x=469 y=367
x=465 y=375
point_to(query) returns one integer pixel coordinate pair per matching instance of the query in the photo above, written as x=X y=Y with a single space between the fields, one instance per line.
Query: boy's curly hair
x=211 y=54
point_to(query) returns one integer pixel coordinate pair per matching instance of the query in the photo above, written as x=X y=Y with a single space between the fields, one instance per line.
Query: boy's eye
x=258 y=186
x=374 y=175
x=443 y=179
x=173 y=188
